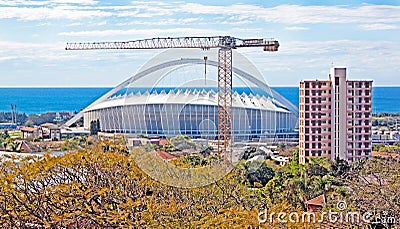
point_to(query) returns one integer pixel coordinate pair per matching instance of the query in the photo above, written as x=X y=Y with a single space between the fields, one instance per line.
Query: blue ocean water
x=42 y=100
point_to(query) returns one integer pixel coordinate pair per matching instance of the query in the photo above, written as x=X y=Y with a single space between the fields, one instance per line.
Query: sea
x=42 y=100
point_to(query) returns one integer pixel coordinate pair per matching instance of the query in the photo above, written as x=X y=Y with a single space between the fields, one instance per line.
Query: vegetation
x=101 y=185
x=97 y=188
x=75 y=143
x=37 y=119
x=6 y=141
x=374 y=186
x=7 y=117
x=182 y=142
x=387 y=148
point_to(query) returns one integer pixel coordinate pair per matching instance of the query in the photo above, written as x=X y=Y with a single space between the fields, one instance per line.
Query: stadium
x=160 y=101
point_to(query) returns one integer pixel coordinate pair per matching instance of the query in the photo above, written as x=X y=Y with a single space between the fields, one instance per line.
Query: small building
x=134 y=142
x=55 y=133
x=163 y=141
x=26 y=147
x=280 y=160
x=51 y=131
x=74 y=131
x=31 y=132
x=315 y=204
x=155 y=141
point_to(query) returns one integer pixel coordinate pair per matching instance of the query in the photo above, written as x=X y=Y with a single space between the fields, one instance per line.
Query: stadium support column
x=225 y=105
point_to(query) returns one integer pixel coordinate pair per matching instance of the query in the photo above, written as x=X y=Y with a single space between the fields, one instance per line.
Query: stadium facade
x=189 y=112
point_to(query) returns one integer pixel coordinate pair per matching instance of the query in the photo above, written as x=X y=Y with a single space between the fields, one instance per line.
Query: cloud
x=141 y=32
x=354 y=53
x=167 y=21
x=82 y=2
x=22 y=3
x=45 y=13
x=47 y=2
x=296 y=28
x=297 y=14
x=241 y=13
x=22 y=52
x=379 y=26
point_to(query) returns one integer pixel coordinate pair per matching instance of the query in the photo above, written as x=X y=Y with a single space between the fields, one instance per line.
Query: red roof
x=29 y=129
x=385 y=154
x=164 y=155
x=48 y=124
x=163 y=141
x=317 y=201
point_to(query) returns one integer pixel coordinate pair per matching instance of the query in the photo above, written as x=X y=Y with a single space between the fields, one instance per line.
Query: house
x=55 y=133
x=315 y=204
x=65 y=115
x=27 y=147
x=31 y=132
x=51 y=131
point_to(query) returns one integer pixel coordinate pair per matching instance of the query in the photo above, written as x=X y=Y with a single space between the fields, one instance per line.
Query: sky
x=363 y=36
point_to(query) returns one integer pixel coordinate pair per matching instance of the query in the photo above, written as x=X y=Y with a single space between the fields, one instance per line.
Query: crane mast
x=225 y=44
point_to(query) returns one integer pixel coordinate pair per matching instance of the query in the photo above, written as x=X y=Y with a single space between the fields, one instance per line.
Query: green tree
x=258 y=171
x=296 y=157
x=182 y=142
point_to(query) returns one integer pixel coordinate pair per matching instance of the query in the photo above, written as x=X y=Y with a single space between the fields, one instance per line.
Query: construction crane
x=225 y=44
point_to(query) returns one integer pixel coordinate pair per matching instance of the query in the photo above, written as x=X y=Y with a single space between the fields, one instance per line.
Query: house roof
x=163 y=141
x=385 y=154
x=317 y=201
x=48 y=124
x=29 y=129
x=164 y=155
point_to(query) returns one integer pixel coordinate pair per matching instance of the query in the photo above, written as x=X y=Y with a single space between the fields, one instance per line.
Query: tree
x=93 y=188
x=296 y=157
x=4 y=134
x=258 y=171
x=248 y=153
x=182 y=142
x=374 y=187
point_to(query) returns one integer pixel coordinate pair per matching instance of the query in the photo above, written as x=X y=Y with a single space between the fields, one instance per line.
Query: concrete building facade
x=335 y=117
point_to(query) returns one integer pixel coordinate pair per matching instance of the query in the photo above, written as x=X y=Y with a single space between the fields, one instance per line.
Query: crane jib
x=179 y=42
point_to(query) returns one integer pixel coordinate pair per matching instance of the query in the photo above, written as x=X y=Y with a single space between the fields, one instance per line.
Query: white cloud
x=31 y=51
x=22 y=2
x=82 y=2
x=167 y=21
x=379 y=26
x=45 y=13
x=355 y=53
x=296 y=28
x=142 y=32
x=47 y=2
x=297 y=14
x=241 y=13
